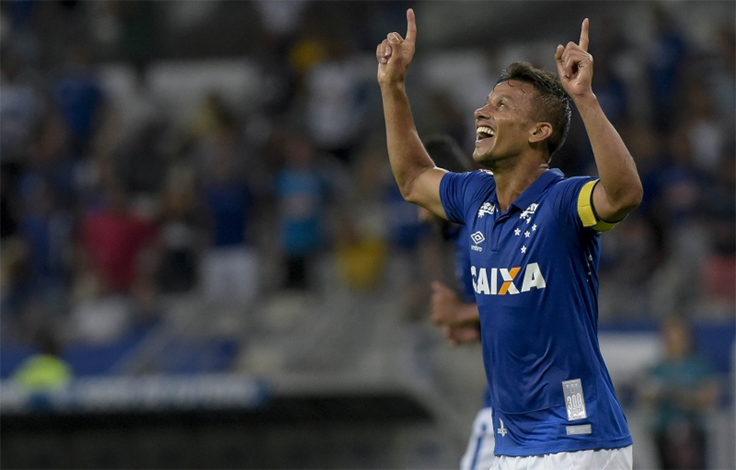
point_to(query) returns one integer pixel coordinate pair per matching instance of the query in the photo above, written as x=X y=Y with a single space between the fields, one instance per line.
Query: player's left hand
x=575 y=65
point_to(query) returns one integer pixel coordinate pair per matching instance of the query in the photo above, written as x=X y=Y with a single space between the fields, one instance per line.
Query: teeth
x=484 y=131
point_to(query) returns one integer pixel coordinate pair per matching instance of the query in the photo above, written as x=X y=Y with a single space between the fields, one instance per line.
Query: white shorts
x=601 y=459
x=479 y=454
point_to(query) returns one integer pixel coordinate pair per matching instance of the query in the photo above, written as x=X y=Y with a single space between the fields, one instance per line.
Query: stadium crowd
x=110 y=205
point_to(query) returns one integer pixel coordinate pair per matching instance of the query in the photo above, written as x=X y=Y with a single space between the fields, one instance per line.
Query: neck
x=511 y=183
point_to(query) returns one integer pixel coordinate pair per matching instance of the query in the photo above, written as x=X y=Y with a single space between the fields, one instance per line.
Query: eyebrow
x=502 y=96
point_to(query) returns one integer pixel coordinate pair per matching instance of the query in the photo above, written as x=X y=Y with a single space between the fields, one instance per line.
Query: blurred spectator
x=718 y=270
x=611 y=89
x=281 y=18
x=219 y=137
x=676 y=209
x=446 y=117
x=629 y=258
x=46 y=369
x=361 y=257
x=666 y=60
x=678 y=189
x=48 y=229
x=336 y=101
x=20 y=109
x=116 y=255
x=80 y=97
x=309 y=48
x=414 y=254
x=230 y=266
x=51 y=163
x=113 y=241
x=701 y=125
x=222 y=159
x=360 y=240
x=303 y=192
x=132 y=128
x=182 y=232
x=43 y=191
x=680 y=388
x=20 y=37
x=17 y=289
x=651 y=161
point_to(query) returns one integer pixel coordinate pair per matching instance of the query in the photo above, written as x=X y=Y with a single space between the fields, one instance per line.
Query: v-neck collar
x=529 y=196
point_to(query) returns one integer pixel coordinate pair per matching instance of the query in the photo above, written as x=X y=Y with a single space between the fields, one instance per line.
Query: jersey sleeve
x=451 y=195
x=459 y=190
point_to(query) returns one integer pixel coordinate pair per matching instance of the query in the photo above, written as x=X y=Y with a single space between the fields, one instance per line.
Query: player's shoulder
x=471 y=180
x=482 y=177
x=569 y=186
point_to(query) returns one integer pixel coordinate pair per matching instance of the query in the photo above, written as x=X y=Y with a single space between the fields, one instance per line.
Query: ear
x=540 y=132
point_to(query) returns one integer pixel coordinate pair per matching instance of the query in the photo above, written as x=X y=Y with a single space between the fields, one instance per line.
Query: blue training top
x=535 y=276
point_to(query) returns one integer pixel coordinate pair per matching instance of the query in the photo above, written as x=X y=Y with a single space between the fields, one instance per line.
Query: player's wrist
x=585 y=100
x=392 y=86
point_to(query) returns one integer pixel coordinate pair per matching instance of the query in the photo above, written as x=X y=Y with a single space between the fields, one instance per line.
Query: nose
x=481 y=112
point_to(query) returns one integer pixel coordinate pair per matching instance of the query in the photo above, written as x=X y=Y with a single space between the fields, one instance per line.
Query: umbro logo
x=477 y=238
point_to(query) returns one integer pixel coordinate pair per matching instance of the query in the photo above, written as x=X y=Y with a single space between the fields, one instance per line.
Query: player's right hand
x=394 y=54
x=445 y=305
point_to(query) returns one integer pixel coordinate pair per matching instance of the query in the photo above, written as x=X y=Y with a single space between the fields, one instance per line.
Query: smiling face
x=504 y=126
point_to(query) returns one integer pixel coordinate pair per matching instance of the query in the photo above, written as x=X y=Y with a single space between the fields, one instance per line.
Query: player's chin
x=481 y=155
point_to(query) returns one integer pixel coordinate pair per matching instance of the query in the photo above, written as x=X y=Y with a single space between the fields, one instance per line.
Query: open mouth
x=483 y=132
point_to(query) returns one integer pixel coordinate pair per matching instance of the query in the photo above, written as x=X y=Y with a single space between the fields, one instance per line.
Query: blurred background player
x=457 y=315
x=680 y=388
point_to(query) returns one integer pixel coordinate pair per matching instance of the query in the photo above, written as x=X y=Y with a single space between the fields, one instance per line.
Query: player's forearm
x=616 y=167
x=405 y=150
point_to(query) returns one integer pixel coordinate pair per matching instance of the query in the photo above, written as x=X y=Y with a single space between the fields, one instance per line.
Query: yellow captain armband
x=587 y=212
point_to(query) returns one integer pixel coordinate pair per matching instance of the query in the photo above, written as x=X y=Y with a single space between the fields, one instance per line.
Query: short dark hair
x=552 y=104
x=446 y=153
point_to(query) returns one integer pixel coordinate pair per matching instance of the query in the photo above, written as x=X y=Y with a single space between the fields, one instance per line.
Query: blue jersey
x=459 y=236
x=534 y=270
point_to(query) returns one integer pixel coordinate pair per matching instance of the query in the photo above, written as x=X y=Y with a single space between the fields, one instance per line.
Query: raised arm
x=619 y=190
x=415 y=173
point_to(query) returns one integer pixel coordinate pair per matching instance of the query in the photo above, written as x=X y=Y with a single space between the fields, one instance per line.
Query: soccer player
x=535 y=247
x=458 y=315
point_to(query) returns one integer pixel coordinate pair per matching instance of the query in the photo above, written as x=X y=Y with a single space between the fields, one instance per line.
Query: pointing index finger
x=584 y=35
x=411 y=26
